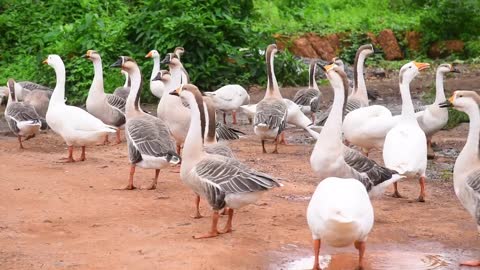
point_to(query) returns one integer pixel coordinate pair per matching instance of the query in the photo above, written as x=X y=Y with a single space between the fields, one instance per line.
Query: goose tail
x=227 y=133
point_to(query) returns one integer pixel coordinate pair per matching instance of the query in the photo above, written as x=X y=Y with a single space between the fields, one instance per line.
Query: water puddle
x=424 y=256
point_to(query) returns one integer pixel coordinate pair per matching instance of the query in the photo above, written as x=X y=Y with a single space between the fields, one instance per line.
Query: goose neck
x=156 y=66
x=333 y=126
x=272 y=84
x=193 y=147
x=97 y=83
x=407 y=104
x=439 y=90
x=312 y=83
x=133 y=100
x=127 y=81
x=58 y=95
x=359 y=79
x=472 y=143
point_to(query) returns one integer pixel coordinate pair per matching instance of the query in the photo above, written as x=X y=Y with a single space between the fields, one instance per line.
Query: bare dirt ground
x=69 y=216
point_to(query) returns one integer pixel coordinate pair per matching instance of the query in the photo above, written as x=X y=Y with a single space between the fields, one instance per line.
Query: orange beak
x=328 y=67
x=45 y=61
x=422 y=66
x=149 y=54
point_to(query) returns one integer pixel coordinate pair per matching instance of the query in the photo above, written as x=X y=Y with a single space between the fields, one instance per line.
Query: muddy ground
x=70 y=216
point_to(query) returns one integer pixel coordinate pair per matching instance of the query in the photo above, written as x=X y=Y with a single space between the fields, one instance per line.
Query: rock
x=281 y=40
x=445 y=48
x=413 y=41
x=323 y=45
x=389 y=44
x=371 y=36
x=301 y=47
x=379 y=73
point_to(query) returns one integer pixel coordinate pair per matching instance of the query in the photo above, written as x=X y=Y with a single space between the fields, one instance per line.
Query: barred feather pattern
x=272 y=113
x=18 y=112
x=308 y=97
x=225 y=133
x=221 y=176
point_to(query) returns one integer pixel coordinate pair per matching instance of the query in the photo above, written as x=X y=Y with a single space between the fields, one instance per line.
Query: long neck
x=133 y=100
x=359 y=79
x=439 y=91
x=211 y=122
x=472 y=143
x=194 y=141
x=156 y=66
x=272 y=85
x=58 y=95
x=127 y=81
x=407 y=104
x=333 y=126
x=312 y=83
x=176 y=79
x=97 y=83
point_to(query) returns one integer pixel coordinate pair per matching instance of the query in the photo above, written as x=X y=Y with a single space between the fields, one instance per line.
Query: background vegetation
x=223 y=39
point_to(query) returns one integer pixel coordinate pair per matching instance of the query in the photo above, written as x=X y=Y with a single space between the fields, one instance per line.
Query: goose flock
x=186 y=132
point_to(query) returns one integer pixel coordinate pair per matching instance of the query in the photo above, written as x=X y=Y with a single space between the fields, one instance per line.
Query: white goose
x=340 y=214
x=466 y=172
x=331 y=158
x=76 y=126
x=433 y=118
x=123 y=91
x=22 y=119
x=223 y=181
x=106 y=107
x=309 y=99
x=405 y=148
x=155 y=85
x=271 y=112
x=229 y=98
x=149 y=143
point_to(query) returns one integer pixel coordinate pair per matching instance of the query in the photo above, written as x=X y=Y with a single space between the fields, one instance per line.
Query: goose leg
x=29 y=137
x=234 y=116
x=20 y=142
x=197 y=214
x=361 y=251
x=82 y=157
x=421 y=198
x=316 y=251
x=275 y=151
x=179 y=148
x=153 y=185
x=430 y=152
x=69 y=159
x=106 y=141
x=282 y=138
x=228 y=226
x=263 y=147
x=213 y=231
x=224 y=211
x=470 y=263
x=395 y=193
x=119 y=140
x=313 y=117
x=130 y=185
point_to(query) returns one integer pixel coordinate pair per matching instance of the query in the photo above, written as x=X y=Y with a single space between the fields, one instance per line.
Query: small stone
x=47 y=221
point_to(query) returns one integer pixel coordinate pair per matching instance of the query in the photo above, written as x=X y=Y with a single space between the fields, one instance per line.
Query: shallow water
x=416 y=256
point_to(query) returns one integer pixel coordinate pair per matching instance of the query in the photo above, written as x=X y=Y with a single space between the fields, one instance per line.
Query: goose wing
x=19 y=112
x=149 y=136
x=116 y=102
x=122 y=92
x=33 y=86
x=304 y=97
x=272 y=113
x=225 y=133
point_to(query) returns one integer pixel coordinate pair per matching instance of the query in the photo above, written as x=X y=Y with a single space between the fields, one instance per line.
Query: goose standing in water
x=223 y=181
x=106 y=107
x=22 y=119
x=331 y=158
x=466 y=172
x=148 y=139
x=76 y=126
x=433 y=118
x=309 y=99
x=123 y=91
x=155 y=85
x=340 y=214
x=271 y=112
x=405 y=148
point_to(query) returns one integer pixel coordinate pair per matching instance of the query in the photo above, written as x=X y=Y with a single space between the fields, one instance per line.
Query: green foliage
x=455 y=118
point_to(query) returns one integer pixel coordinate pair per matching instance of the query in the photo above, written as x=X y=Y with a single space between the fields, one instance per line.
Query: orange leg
x=82 y=157
x=470 y=263
x=228 y=226
x=421 y=198
x=224 y=211
x=234 y=116
x=197 y=207
x=395 y=193
x=313 y=118
x=20 y=142
x=263 y=147
x=153 y=185
x=179 y=148
x=130 y=185
x=282 y=138
x=69 y=159
x=119 y=140
x=106 y=141
x=213 y=231
x=316 y=251
x=361 y=251
x=275 y=151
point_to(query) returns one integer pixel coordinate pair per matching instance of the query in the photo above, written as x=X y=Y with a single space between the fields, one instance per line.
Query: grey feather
x=226 y=133
x=122 y=92
x=18 y=112
x=33 y=86
x=308 y=97
x=272 y=113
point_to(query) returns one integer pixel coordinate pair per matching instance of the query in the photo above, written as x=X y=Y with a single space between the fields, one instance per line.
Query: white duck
x=223 y=181
x=331 y=158
x=229 y=98
x=405 y=148
x=271 y=112
x=466 y=172
x=22 y=119
x=340 y=214
x=124 y=90
x=149 y=143
x=107 y=107
x=76 y=126
x=155 y=86
x=433 y=118
x=309 y=99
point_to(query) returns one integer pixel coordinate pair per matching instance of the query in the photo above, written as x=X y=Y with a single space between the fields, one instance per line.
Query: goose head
x=337 y=61
x=92 y=55
x=271 y=50
x=11 y=88
x=163 y=75
x=366 y=50
x=446 y=68
x=171 y=59
x=410 y=70
x=336 y=76
x=152 y=54
x=179 y=51
x=53 y=60
x=462 y=101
